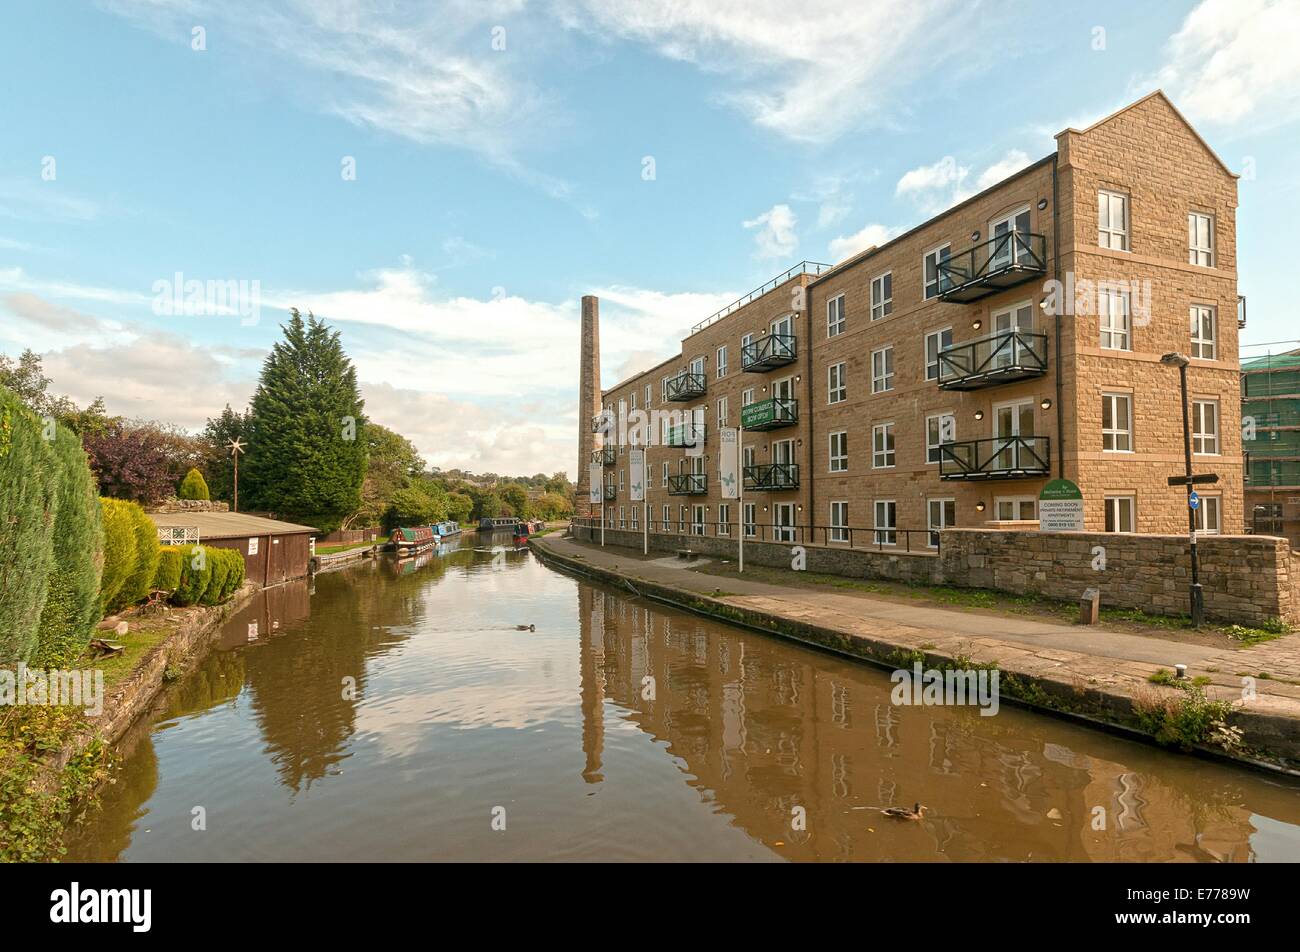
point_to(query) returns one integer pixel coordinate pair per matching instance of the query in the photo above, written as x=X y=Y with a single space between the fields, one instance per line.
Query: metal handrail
x=687 y=484
x=771 y=477
x=685 y=386
x=839 y=537
x=783 y=346
x=1003 y=351
x=605 y=455
x=1005 y=454
x=803 y=267
x=1005 y=252
x=611 y=491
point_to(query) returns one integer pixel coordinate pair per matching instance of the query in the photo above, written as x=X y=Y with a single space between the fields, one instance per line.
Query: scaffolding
x=1270 y=410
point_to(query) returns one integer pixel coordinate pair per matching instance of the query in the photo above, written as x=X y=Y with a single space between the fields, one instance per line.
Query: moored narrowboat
x=408 y=541
x=497 y=523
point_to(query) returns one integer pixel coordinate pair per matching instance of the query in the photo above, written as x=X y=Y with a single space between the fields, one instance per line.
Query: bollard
x=1180 y=671
x=1090 y=607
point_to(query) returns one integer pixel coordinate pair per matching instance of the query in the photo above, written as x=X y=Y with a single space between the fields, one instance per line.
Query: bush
x=236 y=578
x=72 y=602
x=168 y=576
x=193 y=486
x=119 y=551
x=139 y=583
x=196 y=575
x=28 y=508
x=219 y=561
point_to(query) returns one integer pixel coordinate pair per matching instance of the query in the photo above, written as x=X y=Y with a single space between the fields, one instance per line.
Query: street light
x=1195 y=594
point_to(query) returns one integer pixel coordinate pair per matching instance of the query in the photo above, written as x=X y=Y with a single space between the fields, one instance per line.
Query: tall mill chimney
x=588 y=403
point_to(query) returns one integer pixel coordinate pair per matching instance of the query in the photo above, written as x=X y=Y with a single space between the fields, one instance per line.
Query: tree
x=516 y=497
x=193 y=486
x=306 y=456
x=28 y=382
x=391 y=463
x=218 y=465
x=413 y=506
x=132 y=462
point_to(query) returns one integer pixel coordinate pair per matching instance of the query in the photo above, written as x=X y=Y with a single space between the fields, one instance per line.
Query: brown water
x=456 y=714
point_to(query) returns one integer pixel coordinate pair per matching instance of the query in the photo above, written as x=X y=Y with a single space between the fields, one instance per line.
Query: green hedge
x=236 y=577
x=72 y=603
x=220 y=563
x=139 y=582
x=119 y=550
x=196 y=575
x=208 y=576
x=28 y=510
x=168 y=576
x=193 y=486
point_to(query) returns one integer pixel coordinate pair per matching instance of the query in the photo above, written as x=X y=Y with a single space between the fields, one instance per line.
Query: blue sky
x=501 y=151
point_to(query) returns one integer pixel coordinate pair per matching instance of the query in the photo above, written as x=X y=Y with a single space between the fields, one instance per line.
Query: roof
x=228 y=525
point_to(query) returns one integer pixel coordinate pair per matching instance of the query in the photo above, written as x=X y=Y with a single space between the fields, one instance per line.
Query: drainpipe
x=808 y=456
x=1056 y=271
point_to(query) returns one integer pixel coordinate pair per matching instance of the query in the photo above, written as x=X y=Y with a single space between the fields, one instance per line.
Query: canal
x=394 y=712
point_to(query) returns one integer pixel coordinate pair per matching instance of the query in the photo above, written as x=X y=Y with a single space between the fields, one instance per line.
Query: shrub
x=28 y=507
x=168 y=576
x=119 y=550
x=196 y=575
x=138 y=584
x=236 y=578
x=72 y=602
x=193 y=486
x=219 y=562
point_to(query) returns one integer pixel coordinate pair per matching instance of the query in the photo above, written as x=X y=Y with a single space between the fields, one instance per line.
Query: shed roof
x=228 y=525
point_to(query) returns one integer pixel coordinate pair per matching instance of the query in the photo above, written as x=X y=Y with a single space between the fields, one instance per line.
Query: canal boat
x=496 y=523
x=408 y=541
x=447 y=530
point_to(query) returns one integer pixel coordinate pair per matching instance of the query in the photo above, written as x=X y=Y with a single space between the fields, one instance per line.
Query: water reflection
x=384 y=713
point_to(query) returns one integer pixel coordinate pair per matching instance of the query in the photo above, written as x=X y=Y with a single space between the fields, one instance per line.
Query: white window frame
x=936 y=366
x=747 y=396
x=723 y=406
x=1113 y=503
x=1116 y=238
x=883 y=456
x=1205 y=442
x=722 y=361
x=1117 y=434
x=839 y=528
x=1198 y=252
x=749 y=519
x=664 y=484
x=841 y=458
x=885 y=533
x=636 y=517
x=1201 y=513
x=933 y=530
x=837 y=391
x=882 y=298
x=724 y=519
x=835 y=317
x=931 y=289
x=648 y=391
x=884 y=381
x=933 y=456
x=1109 y=330
x=1017 y=500
x=667 y=511
x=1201 y=317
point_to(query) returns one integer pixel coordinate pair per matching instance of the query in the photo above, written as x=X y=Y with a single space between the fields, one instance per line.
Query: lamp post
x=1195 y=593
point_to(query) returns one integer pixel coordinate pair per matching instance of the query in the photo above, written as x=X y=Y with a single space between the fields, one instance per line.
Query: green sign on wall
x=1060 y=507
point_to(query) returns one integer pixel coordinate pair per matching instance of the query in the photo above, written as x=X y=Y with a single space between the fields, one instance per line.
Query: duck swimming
x=525 y=627
x=902 y=813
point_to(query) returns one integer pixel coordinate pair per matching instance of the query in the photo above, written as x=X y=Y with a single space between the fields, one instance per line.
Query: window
x=940 y=514
x=745 y=341
x=636 y=515
x=665 y=483
x=647 y=395
x=1112 y=221
x=1112 y=306
x=839 y=452
x=666 y=509
x=882 y=446
x=622 y=517
x=934 y=343
x=1203 y=329
x=1200 y=239
x=1208 y=515
x=835 y=316
x=934 y=281
x=1205 y=427
x=722 y=361
x=1119 y=514
x=697 y=520
x=663 y=389
x=940 y=428
x=1014 y=507
x=632 y=397
x=747 y=397
x=882 y=370
x=882 y=296
x=681 y=519
x=722 y=411
x=836 y=391
x=1116 y=423
x=886 y=522
x=839 y=522
x=724 y=519
x=620 y=478
x=751 y=523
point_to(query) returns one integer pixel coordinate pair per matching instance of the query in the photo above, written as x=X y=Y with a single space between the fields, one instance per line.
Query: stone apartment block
x=944 y=377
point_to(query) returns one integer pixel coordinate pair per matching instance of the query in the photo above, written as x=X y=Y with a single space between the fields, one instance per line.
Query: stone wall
x=172 y=504
x=1246 y=579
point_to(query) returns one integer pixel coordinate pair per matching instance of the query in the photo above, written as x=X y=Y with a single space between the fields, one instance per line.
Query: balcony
x=999 y=358
x=599 y=421
x=768 y=353
x=1002 y=262
x=606 y=456
x=1003 y=457
x=611 y=492
x=686 y=436
x=688 y=484
x=685 y=386
x=771 y=414
x=771 y=477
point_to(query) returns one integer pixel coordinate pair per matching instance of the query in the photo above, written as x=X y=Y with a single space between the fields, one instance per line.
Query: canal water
x=393 y=712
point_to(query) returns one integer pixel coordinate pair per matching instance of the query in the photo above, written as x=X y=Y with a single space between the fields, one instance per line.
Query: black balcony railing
x=770 y=414
x=611 y=491
x=989 y=361
x=606 y=456
x=686 y=436
x=1002 y=457
x=1001 y=262
x=688 y=484
x=685 y=386
x=771 y=477
x=920 y=542
x=768 y=353
x=601 y=420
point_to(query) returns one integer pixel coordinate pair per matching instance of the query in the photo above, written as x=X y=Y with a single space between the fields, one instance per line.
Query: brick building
x=944 y=377
x=1270 y=410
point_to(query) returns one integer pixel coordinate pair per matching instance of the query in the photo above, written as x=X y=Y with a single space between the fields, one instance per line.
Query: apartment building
x=1270 y=411
x=944 y=377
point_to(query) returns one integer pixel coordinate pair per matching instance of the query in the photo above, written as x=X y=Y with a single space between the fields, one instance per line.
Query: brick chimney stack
x=588 y=402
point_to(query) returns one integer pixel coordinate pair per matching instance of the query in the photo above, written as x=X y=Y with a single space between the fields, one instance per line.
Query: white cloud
x=806 y=72
x=1012 y=162
x=936 y=187
x=1233 y=62
x=775 y=236
x=36 y=199
x=848 y=245
x=945 y=173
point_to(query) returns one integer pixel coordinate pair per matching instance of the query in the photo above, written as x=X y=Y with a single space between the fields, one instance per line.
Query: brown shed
x=273 y=551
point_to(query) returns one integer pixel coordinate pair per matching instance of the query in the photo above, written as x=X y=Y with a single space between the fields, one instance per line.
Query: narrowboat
x=412 y=540
x=447 y=530
x=521 y=532
x=494 y=524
